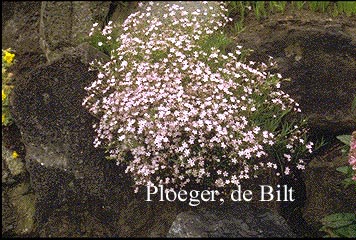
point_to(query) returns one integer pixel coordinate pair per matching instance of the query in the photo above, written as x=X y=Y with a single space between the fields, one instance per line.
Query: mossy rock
x=23 y=202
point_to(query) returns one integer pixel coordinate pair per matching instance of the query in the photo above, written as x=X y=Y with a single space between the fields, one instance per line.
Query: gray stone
x=65 y=168
x=5 y=171
x=23 y=202
x=88 y=53
x=18 y=209
x=11 y=166
x=8 y=218
x=20 y=27
x=122 y=10
x=57 y=132
x=233 y=221
x=83 y=223
x=67 y=24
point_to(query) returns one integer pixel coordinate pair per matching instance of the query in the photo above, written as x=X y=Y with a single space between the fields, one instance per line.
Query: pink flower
x=187 y=114
x=352 y=160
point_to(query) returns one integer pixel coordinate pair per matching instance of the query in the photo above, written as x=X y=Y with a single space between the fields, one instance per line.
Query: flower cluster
x=6 y=87
x=178 y=112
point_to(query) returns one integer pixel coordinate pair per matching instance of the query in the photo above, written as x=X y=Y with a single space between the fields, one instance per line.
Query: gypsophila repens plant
x=6 y=86
x=177 y=112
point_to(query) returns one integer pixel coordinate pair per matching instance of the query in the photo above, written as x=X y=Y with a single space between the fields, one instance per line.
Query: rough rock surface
x=235 y=221
x=325 y=191
x=76 y=222
x=318 y=54
x=23 y=202
x=65 y=25
x=18 y=202
x=57 y=130
x=20 y=27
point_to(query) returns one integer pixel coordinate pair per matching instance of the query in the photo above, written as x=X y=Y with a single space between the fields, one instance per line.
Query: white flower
x=124 y=63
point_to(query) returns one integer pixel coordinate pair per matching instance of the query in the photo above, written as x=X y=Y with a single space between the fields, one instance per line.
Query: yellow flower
x=3 y=95
x=3 y=118
x=14 y=154
x=9 y=57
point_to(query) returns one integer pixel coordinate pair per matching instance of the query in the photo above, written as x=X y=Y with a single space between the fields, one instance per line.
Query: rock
x=67 y=24
x=234 y=221
x=23 y=202
x=79 y=192
x=65 y=222
x=324 y=189
x=15 y=166
x=121 y=10
x=88 y=53
x=5 y=171
x=146 y=219
x=65 y=168
x=57 y=132
x=8 y=218
x=319 y=57
x=17 y=199
x=20 y=27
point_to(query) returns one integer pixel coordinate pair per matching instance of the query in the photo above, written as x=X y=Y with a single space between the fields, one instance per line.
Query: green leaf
x=348 y=182
x=346 y=139
x=344 y=169
x=338 y=220
x=348 y=231
x=353 y=106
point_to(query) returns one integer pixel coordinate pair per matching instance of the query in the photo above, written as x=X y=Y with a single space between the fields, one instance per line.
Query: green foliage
x=298 y=4
x=259 y=9
x=262 y=9
x=101 y=42
x=347 y=7
x=6 y=86
x=318 y=6
x=347 y=170
x=277 y=6
x=339 y=225
x=345 y=139
x=218 y=40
